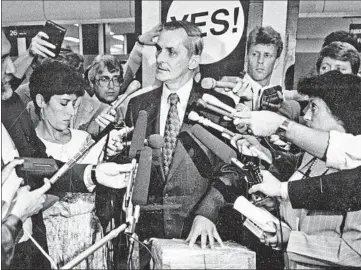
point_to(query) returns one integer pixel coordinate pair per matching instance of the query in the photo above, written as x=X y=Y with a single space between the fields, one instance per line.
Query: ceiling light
x=118 y=46
x=119 y=37
x=72 y=39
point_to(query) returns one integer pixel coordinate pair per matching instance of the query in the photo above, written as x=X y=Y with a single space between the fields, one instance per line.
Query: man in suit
x=179 y=48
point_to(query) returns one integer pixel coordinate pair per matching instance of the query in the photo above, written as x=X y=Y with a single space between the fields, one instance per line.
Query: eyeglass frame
x=119 y=81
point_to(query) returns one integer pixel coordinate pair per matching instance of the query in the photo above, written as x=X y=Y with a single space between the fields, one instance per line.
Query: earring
x=42 y=114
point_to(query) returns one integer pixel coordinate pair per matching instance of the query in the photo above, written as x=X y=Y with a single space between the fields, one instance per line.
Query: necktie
x=172 y=127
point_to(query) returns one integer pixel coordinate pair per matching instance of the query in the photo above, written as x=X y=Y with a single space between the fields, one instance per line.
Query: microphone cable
x=144 y=246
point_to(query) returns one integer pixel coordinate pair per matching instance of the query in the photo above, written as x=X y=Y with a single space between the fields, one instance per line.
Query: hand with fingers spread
x=105 y=118
x=29 y=202
x=9 y=168
x=147 y=37
x=40 y=46
x=249 y=145
x=205 y=228
x=270 y=185
x=261 y=123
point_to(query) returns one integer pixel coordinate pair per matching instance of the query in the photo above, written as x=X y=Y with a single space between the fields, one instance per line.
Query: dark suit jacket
x=185 y=186
x=336 y=191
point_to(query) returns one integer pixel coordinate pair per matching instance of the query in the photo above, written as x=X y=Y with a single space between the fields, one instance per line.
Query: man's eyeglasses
x=105 y=80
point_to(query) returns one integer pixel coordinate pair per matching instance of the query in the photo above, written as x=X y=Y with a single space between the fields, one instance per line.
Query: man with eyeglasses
x=106 y=78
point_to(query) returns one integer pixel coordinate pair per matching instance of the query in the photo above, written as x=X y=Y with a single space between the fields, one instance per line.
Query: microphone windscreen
x=139 y=132
x=219 y=148
x=156 y=141
x=142 y=179
x=132 y=87
x=208 y=83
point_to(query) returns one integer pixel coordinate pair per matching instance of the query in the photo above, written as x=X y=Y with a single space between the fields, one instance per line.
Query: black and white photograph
x=180 y=134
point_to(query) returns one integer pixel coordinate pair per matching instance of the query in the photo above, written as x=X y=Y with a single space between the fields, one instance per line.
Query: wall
x=31 y=12
x=310 y=36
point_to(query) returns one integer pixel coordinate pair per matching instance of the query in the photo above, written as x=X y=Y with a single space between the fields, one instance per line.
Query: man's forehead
x=172 y=38
x=263 y=47
x=103 y=69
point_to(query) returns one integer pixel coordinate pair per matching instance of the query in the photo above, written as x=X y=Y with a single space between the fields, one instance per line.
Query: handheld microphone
x=227 y=155
x=208 y=123
x=210 y=83
x=156 y=142
x=202 y=103
x=212 y=100
x=139 y=132
x=219 y=148
x=142 y=179
x=133 y=86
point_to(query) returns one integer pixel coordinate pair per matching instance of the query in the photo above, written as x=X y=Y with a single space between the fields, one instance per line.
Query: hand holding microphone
x=115 y=144
x=208 y=123
x=212 y=103
x=249 y=145
x=232 y=86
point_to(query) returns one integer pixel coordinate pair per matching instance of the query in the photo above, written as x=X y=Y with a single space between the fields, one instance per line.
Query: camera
x=271 y=98
x=56 y=35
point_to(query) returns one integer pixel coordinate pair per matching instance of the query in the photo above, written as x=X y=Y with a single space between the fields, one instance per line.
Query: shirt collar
x=183 y=92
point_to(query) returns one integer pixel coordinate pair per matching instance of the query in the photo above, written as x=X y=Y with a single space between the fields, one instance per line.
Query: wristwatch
x=282 y=129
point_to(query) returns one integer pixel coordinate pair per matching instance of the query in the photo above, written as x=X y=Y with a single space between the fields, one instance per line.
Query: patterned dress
x=71 y=223
x=321 y=239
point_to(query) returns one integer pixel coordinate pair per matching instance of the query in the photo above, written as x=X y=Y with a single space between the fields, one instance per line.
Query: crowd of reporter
x=318 y=194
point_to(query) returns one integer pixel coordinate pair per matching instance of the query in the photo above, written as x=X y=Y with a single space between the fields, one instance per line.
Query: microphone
x=156 y=142
x=212 y=100
x=208 y=123
x=210 y=83
x=202 y=103
x=219 y=148
x=138 y=138
x=133 y=86
x=142 y=179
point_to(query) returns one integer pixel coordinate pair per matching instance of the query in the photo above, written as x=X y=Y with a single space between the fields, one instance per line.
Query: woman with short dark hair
x=71 y=222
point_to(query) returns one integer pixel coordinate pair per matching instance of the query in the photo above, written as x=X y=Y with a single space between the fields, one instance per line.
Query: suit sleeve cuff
x=87 y=179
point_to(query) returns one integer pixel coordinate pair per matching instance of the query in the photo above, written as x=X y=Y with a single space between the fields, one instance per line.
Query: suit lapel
x=152 y=106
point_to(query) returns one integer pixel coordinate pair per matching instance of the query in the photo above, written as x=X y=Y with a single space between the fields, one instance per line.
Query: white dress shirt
x=183 y=94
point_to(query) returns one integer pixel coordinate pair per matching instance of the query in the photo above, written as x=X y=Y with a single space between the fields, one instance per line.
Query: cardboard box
x=176 y=254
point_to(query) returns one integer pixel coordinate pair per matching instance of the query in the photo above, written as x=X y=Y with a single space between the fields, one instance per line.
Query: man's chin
x=161 y=77
x=107 y=100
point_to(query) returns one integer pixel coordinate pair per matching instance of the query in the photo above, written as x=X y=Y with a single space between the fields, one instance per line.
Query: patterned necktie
x=172 y=127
